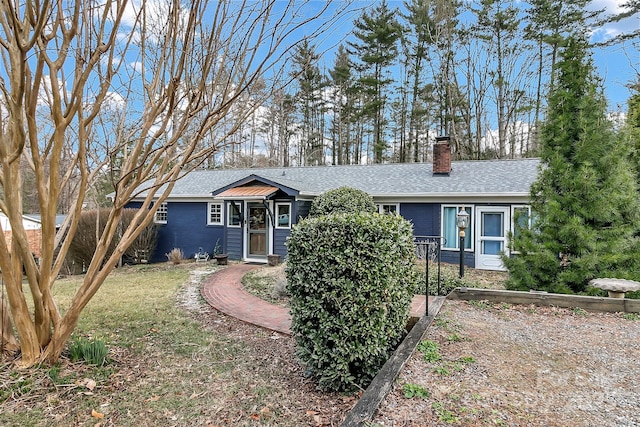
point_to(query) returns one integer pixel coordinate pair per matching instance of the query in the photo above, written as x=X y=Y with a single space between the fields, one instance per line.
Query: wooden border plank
x=381 y=385
x=612 y=305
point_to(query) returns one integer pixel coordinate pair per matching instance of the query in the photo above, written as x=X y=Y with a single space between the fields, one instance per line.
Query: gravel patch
x=188 y=297
x=524 y=366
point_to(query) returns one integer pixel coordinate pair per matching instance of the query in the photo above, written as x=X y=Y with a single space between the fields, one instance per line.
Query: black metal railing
x=428 y=248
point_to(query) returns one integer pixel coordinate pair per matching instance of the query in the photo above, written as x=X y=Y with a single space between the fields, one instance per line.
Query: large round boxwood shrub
x=342 y=199
x=351 y=278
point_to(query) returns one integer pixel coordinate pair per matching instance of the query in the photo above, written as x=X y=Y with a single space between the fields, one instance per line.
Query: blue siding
x=280 y=234
x=187 y=229
x=233 y=242
x=301 y=210
x=279 y=238
x=425 y=217
x=453 y=257
x=426 y=222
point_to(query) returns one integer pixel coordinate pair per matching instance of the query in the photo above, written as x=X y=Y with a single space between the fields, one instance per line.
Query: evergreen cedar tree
x=585 y=200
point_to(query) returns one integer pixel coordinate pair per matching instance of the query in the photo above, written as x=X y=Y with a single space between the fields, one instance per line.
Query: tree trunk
x=8 y=342
x=193 y=85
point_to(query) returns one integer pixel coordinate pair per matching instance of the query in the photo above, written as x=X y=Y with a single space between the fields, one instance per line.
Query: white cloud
x=130 y=14
x=610 y=6
x=136 y=66
x=45 y=92
x=114 y=101
x=156 y=13
x=624 y=26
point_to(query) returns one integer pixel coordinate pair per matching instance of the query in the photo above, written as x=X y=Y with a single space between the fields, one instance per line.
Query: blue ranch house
x=248 y=213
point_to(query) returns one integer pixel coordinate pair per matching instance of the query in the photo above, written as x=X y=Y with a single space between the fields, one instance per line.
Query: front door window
x=493 y=233
x=257 y=230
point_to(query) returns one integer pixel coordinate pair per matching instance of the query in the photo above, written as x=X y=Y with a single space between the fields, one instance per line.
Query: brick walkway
x=224 y=292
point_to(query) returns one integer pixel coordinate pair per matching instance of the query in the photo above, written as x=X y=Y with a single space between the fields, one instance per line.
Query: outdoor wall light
x=462 y=221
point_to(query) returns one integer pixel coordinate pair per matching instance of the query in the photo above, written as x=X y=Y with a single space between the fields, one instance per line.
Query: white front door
x=492 y=227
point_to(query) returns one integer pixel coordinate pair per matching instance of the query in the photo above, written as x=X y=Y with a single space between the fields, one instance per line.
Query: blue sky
x=618 y=65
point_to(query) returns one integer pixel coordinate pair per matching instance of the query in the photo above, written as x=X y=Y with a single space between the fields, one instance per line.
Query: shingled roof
x=483 y=178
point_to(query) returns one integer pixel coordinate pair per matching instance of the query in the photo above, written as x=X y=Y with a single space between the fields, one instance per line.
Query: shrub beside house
x=351 y=276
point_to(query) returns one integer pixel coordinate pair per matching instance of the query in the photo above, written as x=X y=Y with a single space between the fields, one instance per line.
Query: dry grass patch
x=268 y=283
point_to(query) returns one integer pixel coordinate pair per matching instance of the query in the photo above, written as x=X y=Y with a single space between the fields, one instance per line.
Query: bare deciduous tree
x=167 y=73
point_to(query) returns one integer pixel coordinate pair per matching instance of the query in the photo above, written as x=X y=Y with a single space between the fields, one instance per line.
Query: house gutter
x=436 y=197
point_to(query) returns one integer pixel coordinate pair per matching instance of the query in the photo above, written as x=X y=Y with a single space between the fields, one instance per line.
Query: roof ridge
x=275 y=168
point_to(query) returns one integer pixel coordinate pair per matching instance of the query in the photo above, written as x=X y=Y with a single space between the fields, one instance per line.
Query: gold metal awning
x=248 y=193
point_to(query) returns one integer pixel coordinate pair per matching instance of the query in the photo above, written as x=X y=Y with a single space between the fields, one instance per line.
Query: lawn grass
x=268 y=283
x=160 y=362
x=167 y=365
x=133 y=303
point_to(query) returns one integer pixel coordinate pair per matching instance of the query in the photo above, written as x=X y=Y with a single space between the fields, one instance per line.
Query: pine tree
x=310 y=103
x=631 y=130
x=443 y=62
x=585 y=201
x=377 y=32
x=549 y=22
x=342 y=107
x=418 y=38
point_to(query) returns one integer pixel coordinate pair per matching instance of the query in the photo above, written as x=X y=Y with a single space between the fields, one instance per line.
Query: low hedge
x=351 y=278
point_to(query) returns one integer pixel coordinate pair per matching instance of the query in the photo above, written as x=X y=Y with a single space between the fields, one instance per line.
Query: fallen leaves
x=96 y=414
x=88 y=383
x=239 y=372
x=264 y=413
x=318 y=420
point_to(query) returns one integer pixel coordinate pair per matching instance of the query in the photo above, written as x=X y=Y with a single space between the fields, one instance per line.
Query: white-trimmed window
x=522 y=217
x=450 y=229
x=283 y=215
x=233 y=215
x=214 y=213
x=161 y=214
x=388 y=209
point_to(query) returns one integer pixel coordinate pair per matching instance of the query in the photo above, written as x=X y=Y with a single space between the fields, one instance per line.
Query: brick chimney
x=442 y=156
